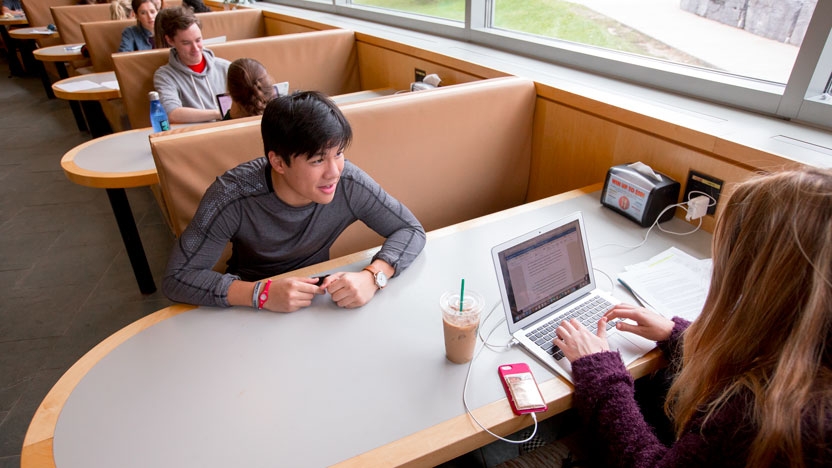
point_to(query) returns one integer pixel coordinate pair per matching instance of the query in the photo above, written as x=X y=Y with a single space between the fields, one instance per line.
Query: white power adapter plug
x=697 y=207
x=429 y=82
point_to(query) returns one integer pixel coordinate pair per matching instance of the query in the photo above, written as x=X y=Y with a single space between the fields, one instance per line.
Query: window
x=774 y=59
x=447 y=9
x=668 y=30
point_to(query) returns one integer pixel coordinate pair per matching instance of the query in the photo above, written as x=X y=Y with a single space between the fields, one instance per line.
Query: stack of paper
x=672 y=283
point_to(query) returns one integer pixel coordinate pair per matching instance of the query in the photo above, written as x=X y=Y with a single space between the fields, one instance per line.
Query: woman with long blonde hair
x=754 y=385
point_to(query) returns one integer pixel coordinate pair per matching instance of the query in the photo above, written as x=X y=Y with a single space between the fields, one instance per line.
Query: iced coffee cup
x=460 y=324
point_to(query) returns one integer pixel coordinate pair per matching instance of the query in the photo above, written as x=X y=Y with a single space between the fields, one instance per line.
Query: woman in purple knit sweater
x=753 y=386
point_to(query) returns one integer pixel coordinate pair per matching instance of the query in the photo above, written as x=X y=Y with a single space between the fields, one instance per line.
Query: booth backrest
x=233 y=24
x=104 y=37
x=449 y=154
x=38 y=13
x=325 y=61
x=68 y=19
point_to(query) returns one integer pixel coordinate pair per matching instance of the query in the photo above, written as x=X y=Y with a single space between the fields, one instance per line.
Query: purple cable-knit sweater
x=604 y=399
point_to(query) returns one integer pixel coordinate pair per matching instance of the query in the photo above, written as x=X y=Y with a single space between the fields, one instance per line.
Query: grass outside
x=558 y=19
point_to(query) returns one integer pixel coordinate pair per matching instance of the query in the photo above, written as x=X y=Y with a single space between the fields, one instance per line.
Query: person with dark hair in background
x=158 y=34
x=196 y=5
x=188 y=85
x=754 y=381
x=12 y=7
x=140 y=35
x=284 y=211
x=250 y=88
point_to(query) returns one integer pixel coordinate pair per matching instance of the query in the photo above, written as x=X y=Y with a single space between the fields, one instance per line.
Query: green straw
x=461 y=295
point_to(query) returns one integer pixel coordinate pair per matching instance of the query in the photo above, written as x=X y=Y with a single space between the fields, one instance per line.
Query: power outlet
x=699 y=182
x=419 y=76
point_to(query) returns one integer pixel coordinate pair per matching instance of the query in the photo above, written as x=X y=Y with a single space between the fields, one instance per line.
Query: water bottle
x=158 y=116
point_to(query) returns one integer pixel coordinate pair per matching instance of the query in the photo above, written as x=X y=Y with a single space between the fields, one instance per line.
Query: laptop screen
x=540 y=271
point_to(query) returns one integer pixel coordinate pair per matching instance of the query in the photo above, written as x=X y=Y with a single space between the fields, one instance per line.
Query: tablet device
x=224 y=103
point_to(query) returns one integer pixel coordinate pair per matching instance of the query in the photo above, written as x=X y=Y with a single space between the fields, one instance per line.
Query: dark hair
x=158 y=34
x=196 y=5
x=303 y=123
x=138 y=3
x=175 y=19
x=250 y=85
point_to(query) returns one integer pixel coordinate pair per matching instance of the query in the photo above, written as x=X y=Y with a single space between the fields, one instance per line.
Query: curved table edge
x=96 y=179
x=456 y=436
x=37 y=445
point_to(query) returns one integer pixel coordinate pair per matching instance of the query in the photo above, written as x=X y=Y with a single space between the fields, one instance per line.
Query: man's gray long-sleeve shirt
x=270 y=237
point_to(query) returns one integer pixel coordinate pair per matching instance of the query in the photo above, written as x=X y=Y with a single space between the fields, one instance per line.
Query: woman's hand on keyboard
x=576 y=341
x=648 y=324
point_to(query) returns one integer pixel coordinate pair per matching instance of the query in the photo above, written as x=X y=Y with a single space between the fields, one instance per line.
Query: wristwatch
x=378 y=276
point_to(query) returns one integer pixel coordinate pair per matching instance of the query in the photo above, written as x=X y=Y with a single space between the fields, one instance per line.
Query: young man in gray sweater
x=283 y=212
x=188 y=85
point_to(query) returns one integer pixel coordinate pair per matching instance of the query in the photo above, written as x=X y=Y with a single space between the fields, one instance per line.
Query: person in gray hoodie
x=189 y=83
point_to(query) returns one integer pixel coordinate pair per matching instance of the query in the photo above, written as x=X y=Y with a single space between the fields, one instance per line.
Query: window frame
x=798 y=100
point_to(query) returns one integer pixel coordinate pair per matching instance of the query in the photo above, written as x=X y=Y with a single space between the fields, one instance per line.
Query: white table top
x=236 y=387
x=90 y=86
x=32 y=33
x=60 y=52
x=120 y=152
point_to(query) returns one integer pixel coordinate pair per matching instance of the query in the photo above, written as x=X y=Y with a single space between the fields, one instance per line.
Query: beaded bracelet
x=256 y=294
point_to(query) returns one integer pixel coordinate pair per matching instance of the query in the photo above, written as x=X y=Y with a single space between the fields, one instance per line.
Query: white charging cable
x=494 y=347
x=468 y=377
x=682 y=205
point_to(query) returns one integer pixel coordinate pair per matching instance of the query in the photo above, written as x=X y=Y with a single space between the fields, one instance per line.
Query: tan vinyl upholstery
x=68 y=19
x=233 y=24
x=325 y=61
x=449 y=154
x=38 y=15
x=104 y=37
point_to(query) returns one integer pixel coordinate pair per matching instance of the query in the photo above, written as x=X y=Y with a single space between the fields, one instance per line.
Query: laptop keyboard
x=587 y=313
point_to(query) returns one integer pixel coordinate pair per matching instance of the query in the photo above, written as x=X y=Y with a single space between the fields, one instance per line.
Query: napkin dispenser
x=639 y=193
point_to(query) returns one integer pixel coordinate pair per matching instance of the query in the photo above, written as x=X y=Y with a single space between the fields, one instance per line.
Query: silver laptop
x=546 y=277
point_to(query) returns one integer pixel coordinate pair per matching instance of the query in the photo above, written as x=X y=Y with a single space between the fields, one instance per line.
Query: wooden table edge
x=447 y=440
x=101 y=94
x=105 y=180
x=22 y=34
x=37 y=445
x=68 y=56
x=13 y=21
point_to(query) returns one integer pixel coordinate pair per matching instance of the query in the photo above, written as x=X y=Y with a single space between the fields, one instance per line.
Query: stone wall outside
x=781 y=20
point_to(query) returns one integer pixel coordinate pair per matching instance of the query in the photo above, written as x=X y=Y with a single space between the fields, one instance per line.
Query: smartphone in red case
x=521 y=388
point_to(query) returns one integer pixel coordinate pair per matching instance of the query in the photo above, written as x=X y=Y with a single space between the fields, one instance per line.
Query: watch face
x=381 y=279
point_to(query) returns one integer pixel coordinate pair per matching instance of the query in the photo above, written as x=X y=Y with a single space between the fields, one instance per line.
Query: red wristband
x=264 y=295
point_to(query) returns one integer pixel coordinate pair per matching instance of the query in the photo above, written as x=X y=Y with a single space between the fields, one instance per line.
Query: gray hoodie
x=179 y=86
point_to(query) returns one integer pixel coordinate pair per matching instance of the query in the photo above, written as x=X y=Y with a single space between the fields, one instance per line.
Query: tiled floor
x=65 y=280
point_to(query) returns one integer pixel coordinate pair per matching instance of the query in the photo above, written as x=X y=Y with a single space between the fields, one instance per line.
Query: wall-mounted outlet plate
x=419 y=75
x=704 y=183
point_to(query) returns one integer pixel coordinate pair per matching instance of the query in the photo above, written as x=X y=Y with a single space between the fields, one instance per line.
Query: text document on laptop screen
x=544 y=269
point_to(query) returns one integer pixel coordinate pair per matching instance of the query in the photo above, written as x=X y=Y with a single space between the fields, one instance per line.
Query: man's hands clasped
x=347 y=289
